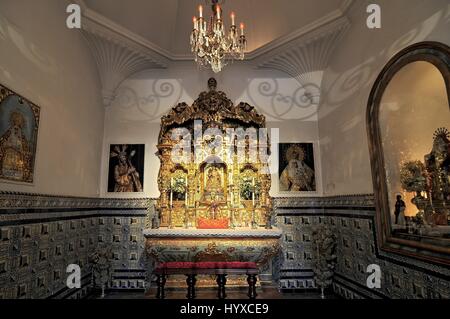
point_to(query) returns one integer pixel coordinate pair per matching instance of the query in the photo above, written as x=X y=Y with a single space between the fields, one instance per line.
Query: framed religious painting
x=296 y=169
x=126 y=168
x=408 y=123
x=19 y=123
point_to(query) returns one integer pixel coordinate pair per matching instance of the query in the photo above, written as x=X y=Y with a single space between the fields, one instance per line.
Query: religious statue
x=15 y=157
x=213 y=205
x=100 y=261
x=126 y=176
x=431 y=178
x=399 y=208
x=437 y=164
x=213 y=181
x=297 y=176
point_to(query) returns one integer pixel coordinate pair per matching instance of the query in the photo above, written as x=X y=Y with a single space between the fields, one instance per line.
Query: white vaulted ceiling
x=167 y=23
x=296 y=37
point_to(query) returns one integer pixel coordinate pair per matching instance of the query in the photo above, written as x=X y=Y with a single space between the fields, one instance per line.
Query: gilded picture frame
x=296 y=159
x=19 y=126
x=437 y=54
x=126 y=168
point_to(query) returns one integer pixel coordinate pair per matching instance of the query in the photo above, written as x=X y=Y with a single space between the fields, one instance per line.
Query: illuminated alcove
x=408 y=122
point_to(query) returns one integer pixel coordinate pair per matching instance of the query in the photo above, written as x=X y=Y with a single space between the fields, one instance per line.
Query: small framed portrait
x=296 y=171
x=126 y=168
x=19 y=122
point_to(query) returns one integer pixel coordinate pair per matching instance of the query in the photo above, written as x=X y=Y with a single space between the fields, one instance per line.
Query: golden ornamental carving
x=221 y=183
x=211 y=107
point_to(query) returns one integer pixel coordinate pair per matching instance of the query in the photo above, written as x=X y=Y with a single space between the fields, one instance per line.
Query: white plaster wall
x=51 y=66
x=134 y=116
x=347 y=82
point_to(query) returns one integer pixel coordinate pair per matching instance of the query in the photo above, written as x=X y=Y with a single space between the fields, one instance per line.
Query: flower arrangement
x=419 y=219
x=412 y=176
x=324 y=253
x=247 y=188
x=178 y=187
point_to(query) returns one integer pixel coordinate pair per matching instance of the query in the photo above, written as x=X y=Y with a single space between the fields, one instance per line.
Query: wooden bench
x=220 y=269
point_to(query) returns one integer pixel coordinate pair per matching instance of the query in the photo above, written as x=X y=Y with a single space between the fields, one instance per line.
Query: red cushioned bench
x=220 y=269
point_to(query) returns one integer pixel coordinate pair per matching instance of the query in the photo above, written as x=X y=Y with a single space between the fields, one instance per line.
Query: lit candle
x=218 y=12
x=242 y=28
x=253 y=192
x=171 y=191
x=186 y=193
x=200 y=11
x=194 y=19
x=232 y=18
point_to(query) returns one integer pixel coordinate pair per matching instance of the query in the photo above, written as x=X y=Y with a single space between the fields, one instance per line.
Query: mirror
x=409 y=132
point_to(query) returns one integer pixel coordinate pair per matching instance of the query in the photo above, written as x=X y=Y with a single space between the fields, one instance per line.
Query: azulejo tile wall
x=353 y=221
x=40 y=235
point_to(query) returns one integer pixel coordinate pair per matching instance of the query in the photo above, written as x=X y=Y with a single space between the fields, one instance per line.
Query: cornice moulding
x=96 y=23
x=166 y=56
x=326 y=35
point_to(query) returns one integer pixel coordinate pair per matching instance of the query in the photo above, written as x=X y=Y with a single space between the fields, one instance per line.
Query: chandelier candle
x=218 y=12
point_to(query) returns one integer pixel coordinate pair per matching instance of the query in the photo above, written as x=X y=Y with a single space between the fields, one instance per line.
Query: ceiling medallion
x=209 y=42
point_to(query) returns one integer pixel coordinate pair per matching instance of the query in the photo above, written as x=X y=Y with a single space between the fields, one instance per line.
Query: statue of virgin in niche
x=214 y=180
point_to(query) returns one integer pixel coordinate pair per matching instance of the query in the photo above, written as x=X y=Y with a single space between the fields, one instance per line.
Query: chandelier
x=209 y=42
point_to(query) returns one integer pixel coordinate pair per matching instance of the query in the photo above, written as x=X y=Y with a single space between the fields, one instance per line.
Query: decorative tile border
x=13 y=200
x=364 y=200
x=16 y=200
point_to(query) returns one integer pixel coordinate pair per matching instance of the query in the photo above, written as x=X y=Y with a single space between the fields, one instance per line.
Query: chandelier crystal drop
x=211 y=45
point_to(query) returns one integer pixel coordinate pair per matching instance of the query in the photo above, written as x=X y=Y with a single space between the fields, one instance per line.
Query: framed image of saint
x=19 y=122
x=126 y=168
x=296 y=169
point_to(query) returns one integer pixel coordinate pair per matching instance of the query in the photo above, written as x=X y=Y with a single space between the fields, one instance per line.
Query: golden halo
x=295 y=152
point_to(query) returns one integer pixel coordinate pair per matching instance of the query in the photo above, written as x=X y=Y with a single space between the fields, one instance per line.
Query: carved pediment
x=212 y=106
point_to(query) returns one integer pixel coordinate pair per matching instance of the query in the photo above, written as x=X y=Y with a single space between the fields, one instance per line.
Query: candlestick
x=232 y=18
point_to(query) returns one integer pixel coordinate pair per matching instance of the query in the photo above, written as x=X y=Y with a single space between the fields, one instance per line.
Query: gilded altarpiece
x=214 y=182
x=218 y=178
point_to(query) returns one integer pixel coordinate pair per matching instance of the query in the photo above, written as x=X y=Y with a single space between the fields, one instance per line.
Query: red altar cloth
x=205 y=223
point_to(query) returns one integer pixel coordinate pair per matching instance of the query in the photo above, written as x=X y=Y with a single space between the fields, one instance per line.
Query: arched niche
x=407 y=118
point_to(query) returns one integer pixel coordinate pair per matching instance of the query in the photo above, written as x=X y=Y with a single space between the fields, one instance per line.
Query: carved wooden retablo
x=213 y=164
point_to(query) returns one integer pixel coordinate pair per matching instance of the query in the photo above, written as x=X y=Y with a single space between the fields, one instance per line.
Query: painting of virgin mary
x=19 y=120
